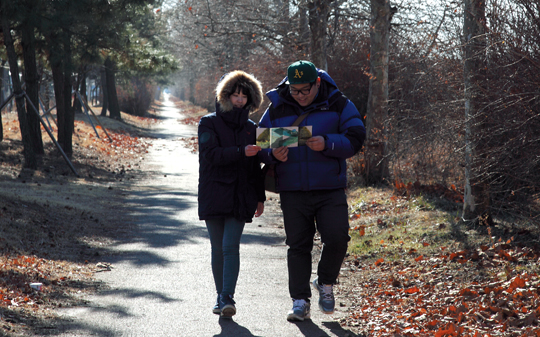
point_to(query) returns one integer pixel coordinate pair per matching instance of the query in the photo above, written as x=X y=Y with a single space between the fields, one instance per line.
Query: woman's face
x=238 y=99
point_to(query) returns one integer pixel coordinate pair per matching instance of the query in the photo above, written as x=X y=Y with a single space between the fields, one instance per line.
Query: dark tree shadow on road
x=133 y=293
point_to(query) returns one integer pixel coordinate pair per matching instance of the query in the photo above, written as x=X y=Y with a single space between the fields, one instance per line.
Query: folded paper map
x=290 y=136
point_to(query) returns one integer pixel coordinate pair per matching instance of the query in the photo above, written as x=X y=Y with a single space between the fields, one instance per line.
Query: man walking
x=311 y=179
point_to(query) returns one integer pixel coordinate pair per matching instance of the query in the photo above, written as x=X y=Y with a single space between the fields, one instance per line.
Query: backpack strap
x=300 y=119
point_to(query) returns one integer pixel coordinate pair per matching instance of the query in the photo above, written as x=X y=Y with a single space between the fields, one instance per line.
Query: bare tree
x=215 y=36
x=476 y=195
x=377 y=114
x=318 y=22
x=438 y=70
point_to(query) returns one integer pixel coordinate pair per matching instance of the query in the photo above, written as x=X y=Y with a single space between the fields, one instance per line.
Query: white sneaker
x=299 y=311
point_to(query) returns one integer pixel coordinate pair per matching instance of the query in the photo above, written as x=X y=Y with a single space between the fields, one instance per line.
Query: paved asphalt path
x=161 y=282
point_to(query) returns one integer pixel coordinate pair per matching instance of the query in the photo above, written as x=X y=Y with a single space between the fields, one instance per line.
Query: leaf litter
x=430 y=285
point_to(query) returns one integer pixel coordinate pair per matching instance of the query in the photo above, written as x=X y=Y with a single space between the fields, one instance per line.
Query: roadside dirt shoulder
x=55 y=226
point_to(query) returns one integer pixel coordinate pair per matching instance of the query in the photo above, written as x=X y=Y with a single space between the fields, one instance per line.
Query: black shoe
x=216 y=309
x=226 y=303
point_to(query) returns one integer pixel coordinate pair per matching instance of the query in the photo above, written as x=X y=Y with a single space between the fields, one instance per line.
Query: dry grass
x=381 y=219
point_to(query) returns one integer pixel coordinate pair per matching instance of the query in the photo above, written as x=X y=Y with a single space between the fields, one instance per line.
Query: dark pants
x=303 y=214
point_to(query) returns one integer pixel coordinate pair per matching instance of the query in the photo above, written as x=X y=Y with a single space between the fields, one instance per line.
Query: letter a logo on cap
x=301 y=72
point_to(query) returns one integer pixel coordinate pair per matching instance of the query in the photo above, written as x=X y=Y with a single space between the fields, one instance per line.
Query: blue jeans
x=303 y=214
x=225 y=236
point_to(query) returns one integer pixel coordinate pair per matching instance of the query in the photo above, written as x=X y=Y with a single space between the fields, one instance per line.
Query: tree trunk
x=60 y=60
x=104 y=92
x=377 y=109
x=69 y=116
x=83 y=85
x=44 y=87
x=192 y=81
x=77 y=107
x=181 y=94
x=59 y=92
x=476 y=203
x=303 y=29
x=318 y=22
x=81 y=88
x=2 y=98
x=30 y=160
x=114 y=107
x=31 y=77
x=58 y=85
x=282 y=7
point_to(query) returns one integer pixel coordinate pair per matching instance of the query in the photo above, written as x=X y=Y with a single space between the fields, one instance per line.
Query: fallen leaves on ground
x=192 y=115
x=17 y=273
x=191 y=143
x=490 y=291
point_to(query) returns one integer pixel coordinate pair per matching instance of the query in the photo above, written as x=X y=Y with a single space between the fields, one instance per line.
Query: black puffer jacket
x=230 y=184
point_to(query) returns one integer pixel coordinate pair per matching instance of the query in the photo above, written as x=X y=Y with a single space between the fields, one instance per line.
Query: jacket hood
x=225 y=88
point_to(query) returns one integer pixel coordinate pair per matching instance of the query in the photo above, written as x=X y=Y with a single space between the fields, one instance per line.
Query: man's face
x=305 y=93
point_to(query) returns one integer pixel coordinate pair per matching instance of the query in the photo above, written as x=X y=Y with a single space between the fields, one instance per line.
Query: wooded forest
x=449 y=90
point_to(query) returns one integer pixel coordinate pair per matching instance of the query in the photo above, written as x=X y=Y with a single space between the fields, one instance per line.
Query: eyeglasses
x=304 y=92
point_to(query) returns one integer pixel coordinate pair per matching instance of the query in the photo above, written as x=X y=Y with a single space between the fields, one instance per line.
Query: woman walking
x=231 y=188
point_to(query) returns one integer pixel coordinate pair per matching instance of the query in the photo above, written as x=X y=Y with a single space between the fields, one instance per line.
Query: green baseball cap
x=301 y=72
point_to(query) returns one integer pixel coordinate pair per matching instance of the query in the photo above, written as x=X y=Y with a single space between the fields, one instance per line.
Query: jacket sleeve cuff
x=332 y=145
x=325 y=142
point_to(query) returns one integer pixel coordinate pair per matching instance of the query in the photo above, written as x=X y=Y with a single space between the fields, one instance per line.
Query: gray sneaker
x=299 y=311
x=326 y=297
x=216 y=309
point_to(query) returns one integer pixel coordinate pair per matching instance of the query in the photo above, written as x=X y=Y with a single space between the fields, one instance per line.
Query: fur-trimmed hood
x=226 y=84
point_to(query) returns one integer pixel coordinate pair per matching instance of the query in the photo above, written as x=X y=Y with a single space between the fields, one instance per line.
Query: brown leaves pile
x=17 y=273
x=192 y=115
x=113 y=142
x=16 y=276
x=451 y=294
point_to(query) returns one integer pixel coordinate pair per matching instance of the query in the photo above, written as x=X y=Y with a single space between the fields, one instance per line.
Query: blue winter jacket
x=332 y=116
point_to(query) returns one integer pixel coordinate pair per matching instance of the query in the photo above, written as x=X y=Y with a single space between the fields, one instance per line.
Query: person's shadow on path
x=231 y=328
x=307 y=328
x=310 y=329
